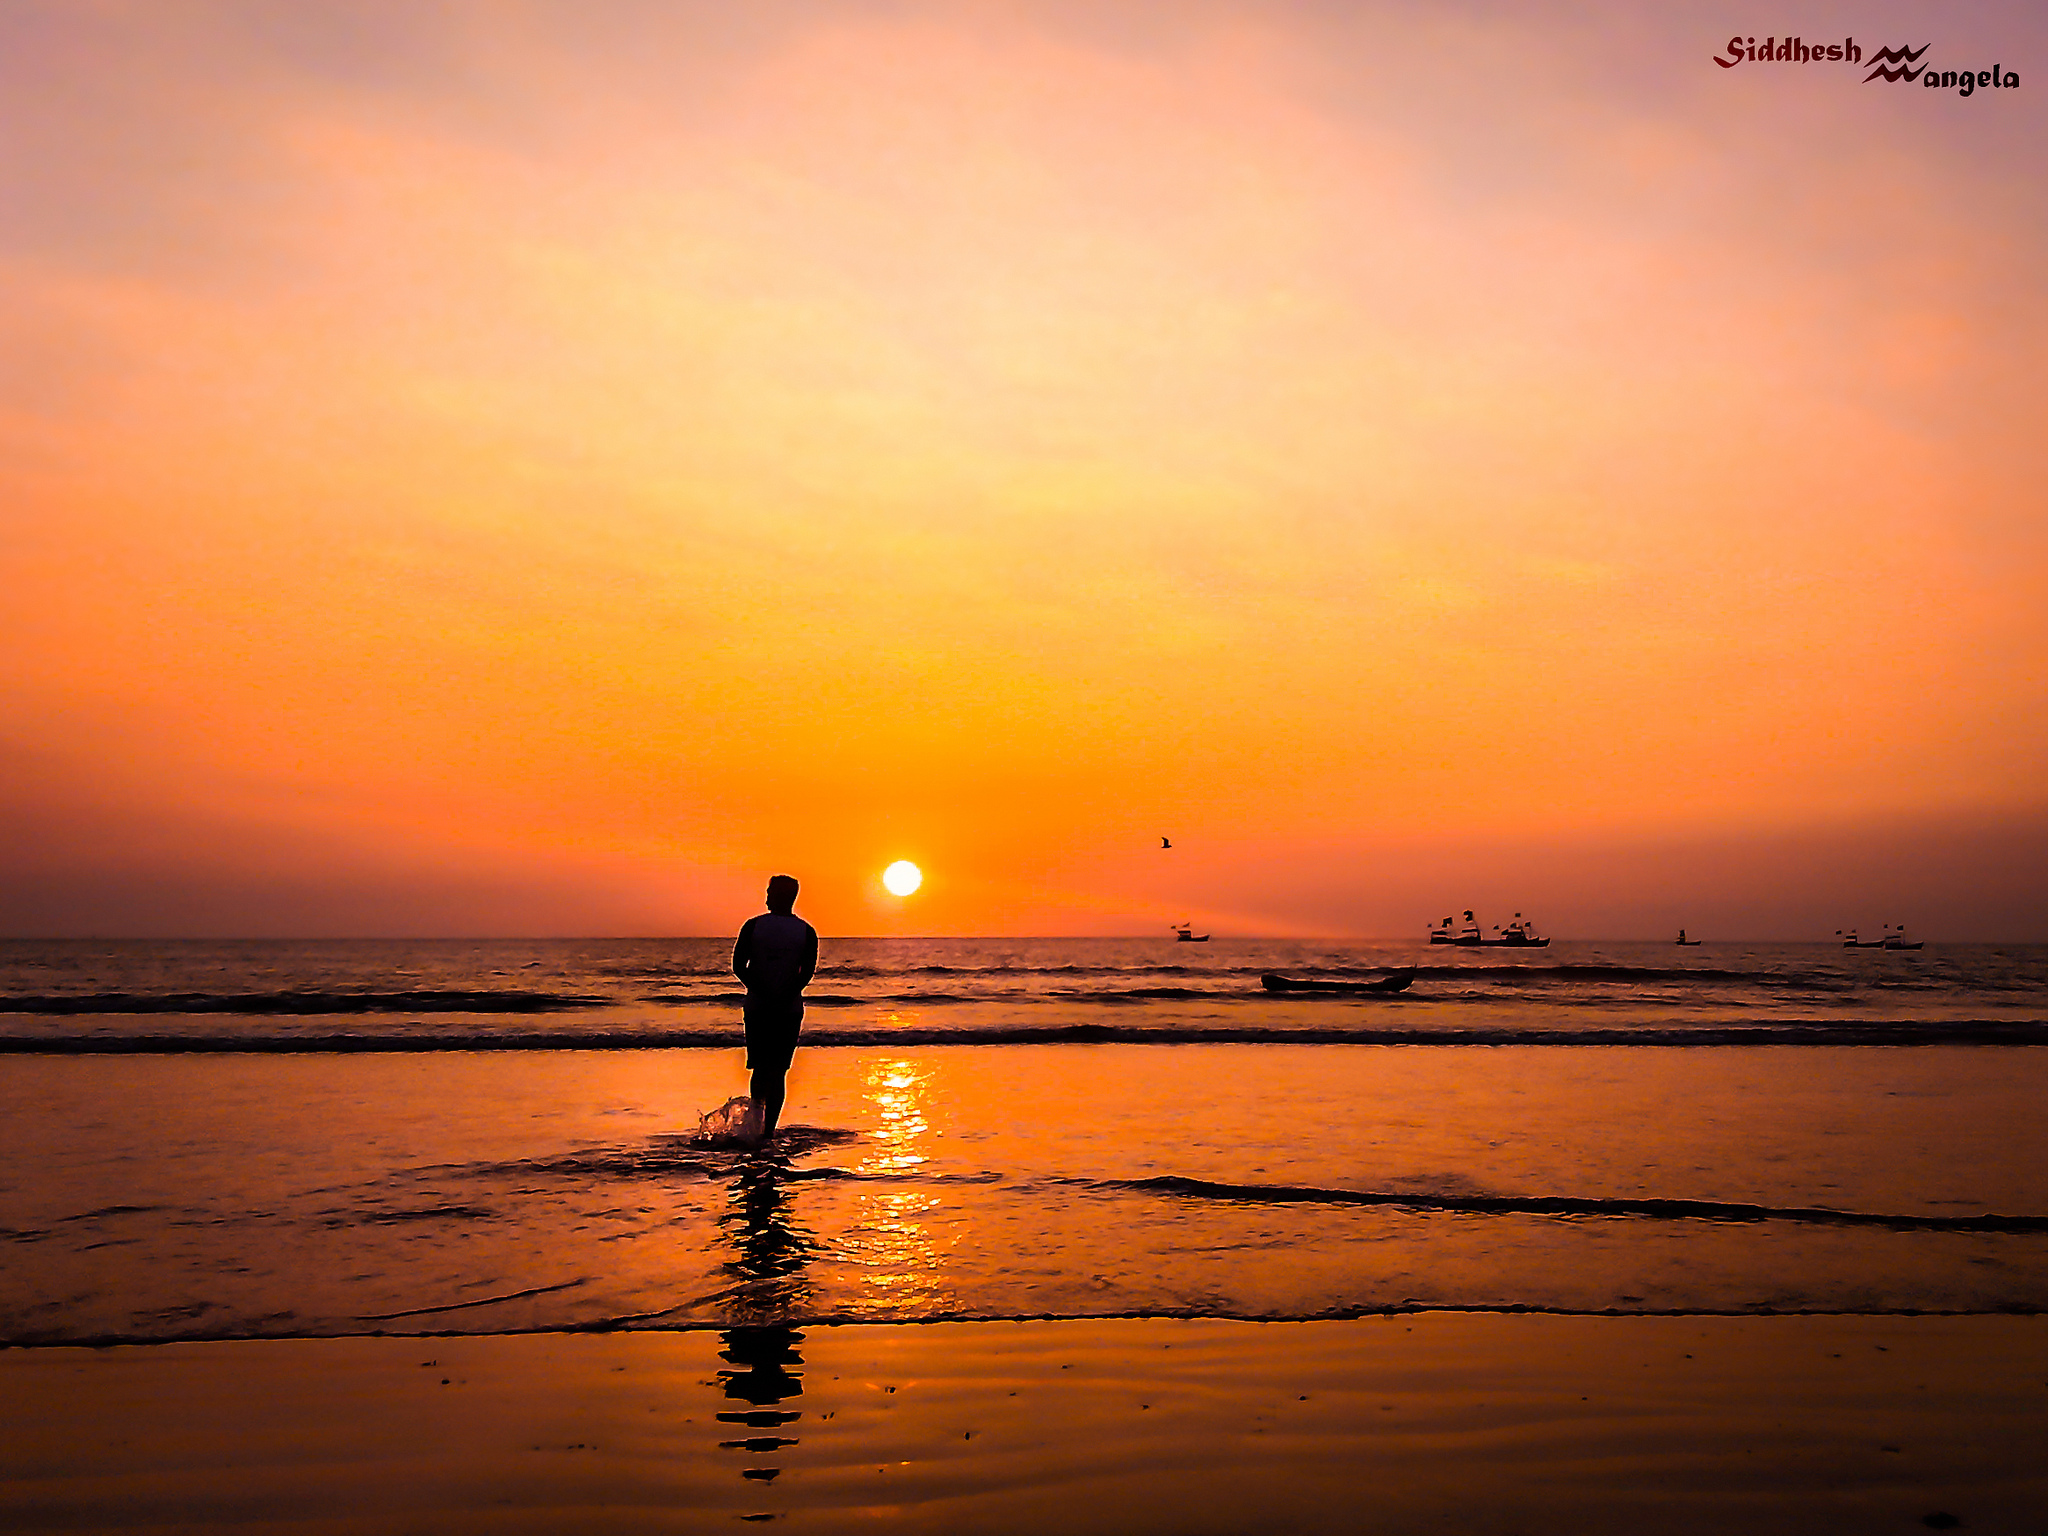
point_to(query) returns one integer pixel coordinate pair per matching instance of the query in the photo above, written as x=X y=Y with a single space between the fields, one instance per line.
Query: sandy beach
x=1399 y=1423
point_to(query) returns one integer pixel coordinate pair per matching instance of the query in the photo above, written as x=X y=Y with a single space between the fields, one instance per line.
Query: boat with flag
x=1518 y=934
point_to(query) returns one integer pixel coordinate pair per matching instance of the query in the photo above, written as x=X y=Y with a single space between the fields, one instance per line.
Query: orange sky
x=535 y=468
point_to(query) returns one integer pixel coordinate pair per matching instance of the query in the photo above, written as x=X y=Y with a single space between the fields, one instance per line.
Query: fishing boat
x=1682 y=939
x=1850 y=941
x=1185 y=934
x=1397 y=981
x=1898 y=940
x=1469 y=935
x=1519 y=934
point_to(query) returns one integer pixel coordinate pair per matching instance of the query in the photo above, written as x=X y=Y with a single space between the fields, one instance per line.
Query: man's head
x=781 y=892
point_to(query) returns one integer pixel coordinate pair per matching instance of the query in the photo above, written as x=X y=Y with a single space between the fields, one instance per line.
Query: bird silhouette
x=1166 y=842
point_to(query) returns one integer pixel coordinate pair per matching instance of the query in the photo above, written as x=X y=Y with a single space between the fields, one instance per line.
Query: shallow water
x=178 y=1196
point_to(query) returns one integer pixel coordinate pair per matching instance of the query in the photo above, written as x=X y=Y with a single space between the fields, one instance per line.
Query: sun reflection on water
x=894 y=1243
x=898 y=1090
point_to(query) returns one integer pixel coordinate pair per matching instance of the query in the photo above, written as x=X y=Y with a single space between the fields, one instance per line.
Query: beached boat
x=1398 y=981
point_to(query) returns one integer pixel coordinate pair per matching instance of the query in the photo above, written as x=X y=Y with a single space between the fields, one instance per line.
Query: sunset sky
x=537 y=468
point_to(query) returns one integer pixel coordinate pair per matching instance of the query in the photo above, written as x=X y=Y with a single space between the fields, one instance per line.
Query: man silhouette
x=775 y=957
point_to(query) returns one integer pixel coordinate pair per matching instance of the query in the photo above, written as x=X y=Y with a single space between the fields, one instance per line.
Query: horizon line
x=901 y=938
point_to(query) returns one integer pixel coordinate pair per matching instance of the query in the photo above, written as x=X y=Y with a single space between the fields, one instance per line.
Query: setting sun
x=902 y=877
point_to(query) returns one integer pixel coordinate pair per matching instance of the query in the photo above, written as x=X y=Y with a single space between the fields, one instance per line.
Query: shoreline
x=1491 y=1421
x=1807 y=1033
x=636 y=1327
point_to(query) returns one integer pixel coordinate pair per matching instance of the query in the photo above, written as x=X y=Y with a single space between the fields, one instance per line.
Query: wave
x=854 y=970
x=2005 y=1032
x=833 y=999
x=481 y=1301
x=1248 y=991
x=1560 y=1205
x=305 y=1002
x=944 y=999
x=1243 y=992
x=1587 y=985
x=837 y=969
x=681 y=1320
x=666 y=1156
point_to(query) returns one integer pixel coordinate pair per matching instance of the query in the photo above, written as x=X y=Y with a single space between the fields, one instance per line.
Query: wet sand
x=1427 y=1422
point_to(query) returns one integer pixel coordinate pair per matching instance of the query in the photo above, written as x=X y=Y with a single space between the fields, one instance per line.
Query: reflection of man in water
x=771 y=1252
x=775 y=957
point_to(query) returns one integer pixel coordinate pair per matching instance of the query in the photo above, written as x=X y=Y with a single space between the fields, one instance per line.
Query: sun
x=902 y=877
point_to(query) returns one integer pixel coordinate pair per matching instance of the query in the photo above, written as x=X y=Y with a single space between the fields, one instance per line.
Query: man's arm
x=743 y=950
x=810 y=965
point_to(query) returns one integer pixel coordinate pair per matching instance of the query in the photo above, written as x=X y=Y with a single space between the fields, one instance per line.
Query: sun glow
x=1065 y=430
x=902 y=877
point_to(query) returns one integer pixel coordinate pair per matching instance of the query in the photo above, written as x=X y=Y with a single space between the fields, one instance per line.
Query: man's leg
x=767 y=1089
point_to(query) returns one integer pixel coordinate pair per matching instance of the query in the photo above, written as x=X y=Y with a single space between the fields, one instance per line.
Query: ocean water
x=227 y=1140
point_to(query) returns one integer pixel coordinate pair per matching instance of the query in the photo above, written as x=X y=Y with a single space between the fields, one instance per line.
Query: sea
x=263 y=1139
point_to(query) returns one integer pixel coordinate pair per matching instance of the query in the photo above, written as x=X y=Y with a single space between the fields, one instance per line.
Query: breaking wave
x=304 y=1002
x=1563 y=1205
x=2005 y=1032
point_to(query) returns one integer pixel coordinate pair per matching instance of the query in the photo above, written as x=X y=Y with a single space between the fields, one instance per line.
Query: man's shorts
x=771 y=1033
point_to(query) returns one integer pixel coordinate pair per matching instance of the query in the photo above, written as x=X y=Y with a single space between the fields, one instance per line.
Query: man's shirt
x=776 y=955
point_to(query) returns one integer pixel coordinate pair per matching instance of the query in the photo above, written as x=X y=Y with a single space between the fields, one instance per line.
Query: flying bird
x=1166 y=842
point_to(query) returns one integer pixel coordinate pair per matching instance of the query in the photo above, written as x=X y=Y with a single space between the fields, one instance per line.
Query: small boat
x=1397 y=981
x=1185 y=934
x=1682 y=939
x=1899 y=940
x=1850 y=941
